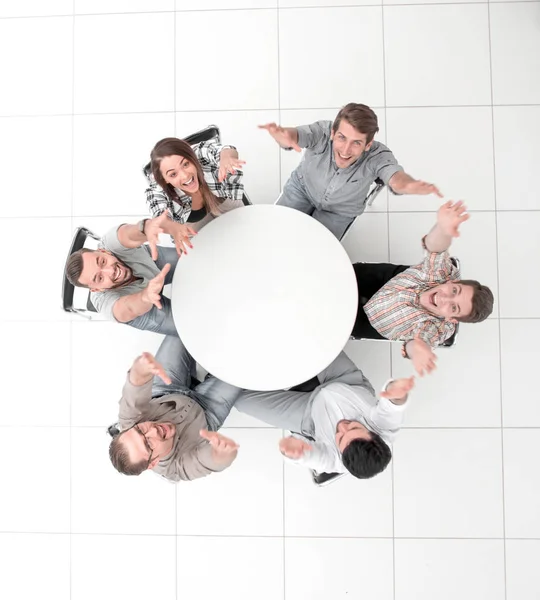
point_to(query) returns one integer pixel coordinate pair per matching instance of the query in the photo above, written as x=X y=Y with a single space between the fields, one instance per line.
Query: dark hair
x=482 y=302
x=361 y=117
x=74 y=267
x=119 y=456
x=174 y=146
x=366 y=458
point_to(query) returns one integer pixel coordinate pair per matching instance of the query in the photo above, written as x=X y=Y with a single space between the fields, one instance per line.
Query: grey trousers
x=295 y=196
x=287 y=409
x=160 y=320
x=214 y=396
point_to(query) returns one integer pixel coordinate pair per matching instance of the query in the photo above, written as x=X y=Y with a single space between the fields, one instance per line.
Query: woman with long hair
x=194 y=184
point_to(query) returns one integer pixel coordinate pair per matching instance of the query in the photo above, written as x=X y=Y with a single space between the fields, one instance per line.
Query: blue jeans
x=296 y=196
x=214 y=396
x=160 y=320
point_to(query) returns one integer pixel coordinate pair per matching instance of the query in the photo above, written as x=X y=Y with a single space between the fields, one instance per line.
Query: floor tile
x=307 y=507
x=238 y=567
x=428 y=143
x=250 y=491
x=100 y=564
x=522 y=575
x=515 y=52
x=247 y=78
x=455 y=395
x=519 y=243
x=338 y=568
x=39 y=502
x=425 y=36
x=40 y=82
x=521 y=483
x=112 y=77
x=448 y=569
x=516 y=156
x=310 y=75
x=35 y=566
x=448 y=483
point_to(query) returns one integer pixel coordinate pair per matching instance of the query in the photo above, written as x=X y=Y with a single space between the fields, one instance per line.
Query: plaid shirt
x=180 y=209
x=395 y=310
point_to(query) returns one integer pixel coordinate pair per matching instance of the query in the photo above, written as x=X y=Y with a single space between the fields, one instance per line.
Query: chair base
x=321 y=479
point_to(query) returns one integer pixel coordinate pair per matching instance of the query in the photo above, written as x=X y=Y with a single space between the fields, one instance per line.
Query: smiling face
x=149 y=441
x=449 y=300
x=349 y=144
x=103 y=271
x=347 y=431
x=181 y=173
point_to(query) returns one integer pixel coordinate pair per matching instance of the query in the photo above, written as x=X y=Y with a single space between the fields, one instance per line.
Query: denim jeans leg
x=157 y=320
x=295 y=196
x=216 y=399
x=178 y=364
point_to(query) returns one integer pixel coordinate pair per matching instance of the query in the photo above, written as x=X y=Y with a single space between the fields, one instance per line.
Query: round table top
x=266 y=299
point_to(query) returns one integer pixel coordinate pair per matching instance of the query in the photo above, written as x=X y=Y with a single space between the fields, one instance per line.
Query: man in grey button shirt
x=341 y=161
x=128 y=271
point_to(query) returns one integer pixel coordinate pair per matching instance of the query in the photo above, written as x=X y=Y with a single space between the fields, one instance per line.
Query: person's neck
x=197 y=201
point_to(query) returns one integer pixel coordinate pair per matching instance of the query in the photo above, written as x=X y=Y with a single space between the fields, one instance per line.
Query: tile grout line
x=263 y=108
x=253 y=9
x=70 y=437
x=279 y=151
x=498 y=296
x=390 y=348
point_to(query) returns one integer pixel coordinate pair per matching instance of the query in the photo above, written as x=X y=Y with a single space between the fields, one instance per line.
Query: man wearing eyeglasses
x=167 y=426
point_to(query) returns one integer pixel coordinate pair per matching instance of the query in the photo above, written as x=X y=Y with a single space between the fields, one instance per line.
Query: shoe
x=325 y=478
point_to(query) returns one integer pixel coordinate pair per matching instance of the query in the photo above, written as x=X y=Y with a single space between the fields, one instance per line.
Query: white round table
x=266 y=299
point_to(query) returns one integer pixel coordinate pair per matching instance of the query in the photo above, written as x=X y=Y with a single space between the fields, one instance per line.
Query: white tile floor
x=88 y=87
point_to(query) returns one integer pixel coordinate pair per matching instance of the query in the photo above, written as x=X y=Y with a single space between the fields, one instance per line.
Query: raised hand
x=152 y=229
x=422 y=356
x=450 y=216
x=293 y=447
x=398 y=389
x=223 y=448
x=421 y=188
x=283 y=137
x=152 y=292
x=181 y=235
x=228 y=164
x=145 y=366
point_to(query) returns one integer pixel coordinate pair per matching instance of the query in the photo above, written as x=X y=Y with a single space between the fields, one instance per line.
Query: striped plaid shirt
x=395 y=310
x=180 y=209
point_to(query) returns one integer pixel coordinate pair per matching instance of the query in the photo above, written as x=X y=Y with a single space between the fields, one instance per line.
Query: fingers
x=219 y=442
x=165 y=270
x=269 y=127
x=153 y=248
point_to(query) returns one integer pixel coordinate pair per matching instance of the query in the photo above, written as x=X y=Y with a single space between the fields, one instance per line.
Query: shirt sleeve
x=321 y=458
x=383 y=163
x=156 y=199
x=388 y=416
x=208 y=153
x=437 y=267
x=315 y=136
x=432 y=331
x=111 y=242
x=197 y=463
x=134 y=399
x=104 y=302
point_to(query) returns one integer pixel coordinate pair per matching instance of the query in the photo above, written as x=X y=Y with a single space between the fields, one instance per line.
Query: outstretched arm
x=286 y=137
x=402 y=183
x=449 y=218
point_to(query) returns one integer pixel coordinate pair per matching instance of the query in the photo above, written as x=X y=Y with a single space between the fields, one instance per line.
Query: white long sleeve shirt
x=339 y=401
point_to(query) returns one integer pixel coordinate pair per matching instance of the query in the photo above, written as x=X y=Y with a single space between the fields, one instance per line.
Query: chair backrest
x=68 y=289
x=204 y=135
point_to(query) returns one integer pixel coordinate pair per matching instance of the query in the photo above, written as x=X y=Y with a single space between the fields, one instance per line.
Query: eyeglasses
x=146 y=444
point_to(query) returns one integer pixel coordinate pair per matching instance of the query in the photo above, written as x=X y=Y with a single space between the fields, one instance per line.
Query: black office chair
x=378 y=185
x=68 y=290
x=448 y=343
x=204 y=135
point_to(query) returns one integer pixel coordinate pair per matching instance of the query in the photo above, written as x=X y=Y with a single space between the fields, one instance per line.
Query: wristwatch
x=142 y=223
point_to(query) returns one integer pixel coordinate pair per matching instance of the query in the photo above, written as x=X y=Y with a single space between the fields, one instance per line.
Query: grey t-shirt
x=140 y=262
x=338 y=190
